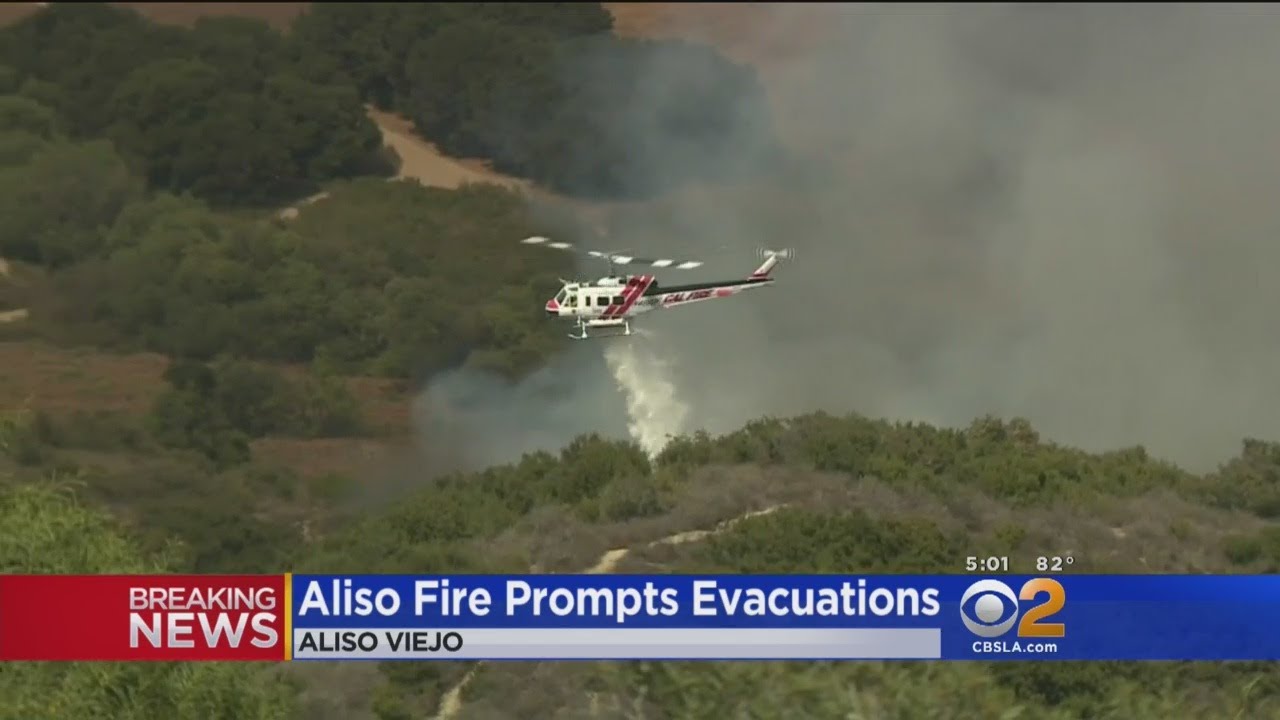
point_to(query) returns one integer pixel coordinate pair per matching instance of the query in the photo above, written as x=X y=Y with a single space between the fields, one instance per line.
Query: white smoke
x=655 y=411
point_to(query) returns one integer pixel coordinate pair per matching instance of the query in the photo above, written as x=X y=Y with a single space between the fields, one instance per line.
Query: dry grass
x=748 y=32
x=555 y=540
x=13 y=12
x=1157 y=532
x=60 y=380
x=757 y=33
x=349 y=457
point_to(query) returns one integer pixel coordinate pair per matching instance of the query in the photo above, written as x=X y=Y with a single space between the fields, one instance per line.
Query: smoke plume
x=619 y=388
x=1064 y=213
x=468 y=419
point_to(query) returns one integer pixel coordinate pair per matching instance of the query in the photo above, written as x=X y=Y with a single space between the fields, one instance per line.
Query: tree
x=373 y=41
x=183 y=419
x=245 y=51
x=86 y=50
x=368 y=41
x=328 y=135
x=20 y=113
x=155 y=110
x=53 y=207
x=228 y=109
x=547 y=92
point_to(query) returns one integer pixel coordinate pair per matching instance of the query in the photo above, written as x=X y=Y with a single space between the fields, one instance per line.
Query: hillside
x=202 y=382
x=813 y=494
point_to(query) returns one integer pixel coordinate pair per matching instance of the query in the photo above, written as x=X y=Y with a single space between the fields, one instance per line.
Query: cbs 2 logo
x=993 y=599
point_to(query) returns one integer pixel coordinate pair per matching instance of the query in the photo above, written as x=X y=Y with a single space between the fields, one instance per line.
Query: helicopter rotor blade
x=615 y=258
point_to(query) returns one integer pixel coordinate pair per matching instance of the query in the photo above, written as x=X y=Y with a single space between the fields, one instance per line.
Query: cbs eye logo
x=989 y=608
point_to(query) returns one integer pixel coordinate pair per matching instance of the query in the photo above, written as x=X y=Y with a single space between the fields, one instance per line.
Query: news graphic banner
x=631 y=617
x=143 y=617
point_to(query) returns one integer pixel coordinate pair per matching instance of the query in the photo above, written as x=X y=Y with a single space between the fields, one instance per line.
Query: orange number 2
x=1030 y=625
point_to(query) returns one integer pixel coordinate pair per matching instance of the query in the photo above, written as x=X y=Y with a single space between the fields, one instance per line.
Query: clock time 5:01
x=993 y=564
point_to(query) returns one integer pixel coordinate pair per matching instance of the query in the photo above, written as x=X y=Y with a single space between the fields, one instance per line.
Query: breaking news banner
x=639 y=617
x=143 y=617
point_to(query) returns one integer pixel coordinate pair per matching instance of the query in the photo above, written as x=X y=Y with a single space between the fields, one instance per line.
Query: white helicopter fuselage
x=611 y=301
x=628 y=296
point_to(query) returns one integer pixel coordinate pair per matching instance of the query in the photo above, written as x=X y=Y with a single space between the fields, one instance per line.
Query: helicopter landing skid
x=612 y=328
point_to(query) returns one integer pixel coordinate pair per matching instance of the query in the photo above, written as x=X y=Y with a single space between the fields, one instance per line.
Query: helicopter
x=605 y=307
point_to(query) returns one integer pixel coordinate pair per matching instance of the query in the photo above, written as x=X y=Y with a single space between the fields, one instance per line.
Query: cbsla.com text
x=1010 y=647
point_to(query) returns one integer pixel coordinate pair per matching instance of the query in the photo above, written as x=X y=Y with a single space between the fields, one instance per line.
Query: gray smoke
x=618 y=388
x=467 y=419
x=1064 y=213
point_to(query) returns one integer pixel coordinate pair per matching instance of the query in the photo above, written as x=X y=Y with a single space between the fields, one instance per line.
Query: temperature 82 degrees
x=1054 y=563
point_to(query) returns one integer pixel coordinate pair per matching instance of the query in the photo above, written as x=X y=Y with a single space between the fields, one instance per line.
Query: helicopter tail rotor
x=781 y=254
x=771 y=258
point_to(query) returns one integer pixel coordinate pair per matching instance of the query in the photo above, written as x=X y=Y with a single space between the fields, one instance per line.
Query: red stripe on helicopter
x=630 y=297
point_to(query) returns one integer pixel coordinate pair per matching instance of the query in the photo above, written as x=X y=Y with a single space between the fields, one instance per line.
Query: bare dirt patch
x=11 y=293
x=421 y=161
x=9 y=316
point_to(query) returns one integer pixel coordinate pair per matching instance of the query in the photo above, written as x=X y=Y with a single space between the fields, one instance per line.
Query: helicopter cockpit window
x=573 y=300
x=561 y=296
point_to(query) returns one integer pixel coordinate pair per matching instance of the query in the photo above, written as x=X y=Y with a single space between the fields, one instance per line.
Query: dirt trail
x=290 y=213
x=422 y=161
x=8 y=316
x=451 y=703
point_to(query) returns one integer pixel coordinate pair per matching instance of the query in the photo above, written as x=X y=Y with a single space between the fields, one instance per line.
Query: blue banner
x=1023 y=617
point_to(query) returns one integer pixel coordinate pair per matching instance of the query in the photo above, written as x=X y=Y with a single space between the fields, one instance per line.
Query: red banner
x=144 y=617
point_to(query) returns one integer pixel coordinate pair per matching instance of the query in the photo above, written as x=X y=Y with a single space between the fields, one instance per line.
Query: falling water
x=655 y=411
